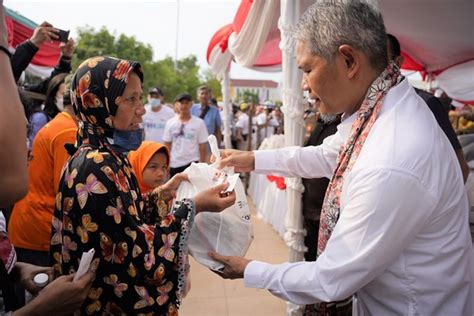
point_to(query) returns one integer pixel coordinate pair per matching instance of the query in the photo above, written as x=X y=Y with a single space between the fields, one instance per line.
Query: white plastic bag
x=228 y=232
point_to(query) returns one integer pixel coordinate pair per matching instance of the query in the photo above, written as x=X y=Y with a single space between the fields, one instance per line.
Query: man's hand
x=45 y=32
x=242 y=161
x=26 y=273
x=234 y=267
x=67 y=49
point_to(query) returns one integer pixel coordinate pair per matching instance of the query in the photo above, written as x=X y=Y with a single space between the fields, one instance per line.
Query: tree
x=213 y=84
x=92 y=43
x=248 y=96
x=162 y=73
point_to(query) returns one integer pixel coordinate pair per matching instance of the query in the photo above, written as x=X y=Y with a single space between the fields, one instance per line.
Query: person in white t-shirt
x=242 y=128
x=156 y=116
x=267 y=123
x=186 y=136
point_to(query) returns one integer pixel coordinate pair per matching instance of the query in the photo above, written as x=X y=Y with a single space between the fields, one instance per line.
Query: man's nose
x=304 y=84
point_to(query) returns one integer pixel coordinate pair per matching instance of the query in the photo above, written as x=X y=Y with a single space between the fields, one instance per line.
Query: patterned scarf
x=96 y=90
x=366 y=117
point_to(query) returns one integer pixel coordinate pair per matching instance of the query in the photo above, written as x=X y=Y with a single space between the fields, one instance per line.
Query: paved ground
x=212 y=296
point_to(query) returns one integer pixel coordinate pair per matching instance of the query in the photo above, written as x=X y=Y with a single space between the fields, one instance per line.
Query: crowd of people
x=93 y=167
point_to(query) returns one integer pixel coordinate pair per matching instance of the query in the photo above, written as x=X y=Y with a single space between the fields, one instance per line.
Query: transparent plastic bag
x=228 y=232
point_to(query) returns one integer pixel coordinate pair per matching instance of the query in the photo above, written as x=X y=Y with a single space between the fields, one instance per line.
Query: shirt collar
x=393 y=95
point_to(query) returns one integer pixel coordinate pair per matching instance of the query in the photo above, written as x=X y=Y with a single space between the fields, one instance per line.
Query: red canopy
x=20 y=29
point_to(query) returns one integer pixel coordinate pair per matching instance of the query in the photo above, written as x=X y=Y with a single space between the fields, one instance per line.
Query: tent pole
x=294 y=133
x=225 y=86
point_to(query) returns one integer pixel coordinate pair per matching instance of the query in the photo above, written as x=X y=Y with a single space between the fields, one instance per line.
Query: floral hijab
x=96 y=91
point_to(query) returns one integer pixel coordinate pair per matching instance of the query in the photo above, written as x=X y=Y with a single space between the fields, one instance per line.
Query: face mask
x=154 y=103
x=60 y=103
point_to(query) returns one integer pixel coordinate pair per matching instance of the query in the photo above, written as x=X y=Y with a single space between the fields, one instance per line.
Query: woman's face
x=61 y=90
x=156 y=171
x=130 y=107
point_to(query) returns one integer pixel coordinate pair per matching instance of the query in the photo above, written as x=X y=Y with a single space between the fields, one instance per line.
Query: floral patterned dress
x=140 y=247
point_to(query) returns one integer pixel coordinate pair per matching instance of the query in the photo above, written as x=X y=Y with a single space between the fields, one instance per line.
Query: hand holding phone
x=63 y=35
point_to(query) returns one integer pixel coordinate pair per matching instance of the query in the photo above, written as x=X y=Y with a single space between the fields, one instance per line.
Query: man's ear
x=399 y=60
x=351 y=59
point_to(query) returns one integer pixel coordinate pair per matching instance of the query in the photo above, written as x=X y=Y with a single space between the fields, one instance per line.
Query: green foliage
x=92 y=43
x=248 y=96
x=161 y=73
x=213 y=84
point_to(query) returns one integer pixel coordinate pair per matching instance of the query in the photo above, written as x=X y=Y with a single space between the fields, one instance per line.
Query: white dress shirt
x=402 y=243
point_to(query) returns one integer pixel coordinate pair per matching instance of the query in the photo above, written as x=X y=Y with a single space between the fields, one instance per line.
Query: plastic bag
x=228 y=232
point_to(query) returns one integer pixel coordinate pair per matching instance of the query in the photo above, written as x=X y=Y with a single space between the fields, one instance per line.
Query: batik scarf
x=365 y=119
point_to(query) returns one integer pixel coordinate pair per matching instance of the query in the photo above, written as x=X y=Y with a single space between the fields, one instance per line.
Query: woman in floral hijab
x=141 y=252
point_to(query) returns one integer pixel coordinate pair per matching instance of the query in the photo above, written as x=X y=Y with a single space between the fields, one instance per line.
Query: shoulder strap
x=204 y=112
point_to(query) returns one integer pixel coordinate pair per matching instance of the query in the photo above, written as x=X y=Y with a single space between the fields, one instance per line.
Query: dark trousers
x=311 y=239
x=176 y=170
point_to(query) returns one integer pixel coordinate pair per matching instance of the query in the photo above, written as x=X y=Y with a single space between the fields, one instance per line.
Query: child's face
x=156 y=171
x=185 y=106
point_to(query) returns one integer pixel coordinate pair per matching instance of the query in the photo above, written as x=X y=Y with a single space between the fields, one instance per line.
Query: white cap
x=41 y=279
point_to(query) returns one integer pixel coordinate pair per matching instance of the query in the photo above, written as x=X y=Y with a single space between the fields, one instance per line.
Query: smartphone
x=63 y=36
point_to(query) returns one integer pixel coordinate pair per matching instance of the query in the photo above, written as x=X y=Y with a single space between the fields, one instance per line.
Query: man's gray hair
x=328 y=24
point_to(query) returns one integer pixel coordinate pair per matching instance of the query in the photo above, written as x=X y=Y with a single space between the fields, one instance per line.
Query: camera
x=63 y=36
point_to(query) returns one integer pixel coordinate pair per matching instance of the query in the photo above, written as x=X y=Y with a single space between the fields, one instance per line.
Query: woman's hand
x=213 y=199
x=168 y=190
x=26 y=272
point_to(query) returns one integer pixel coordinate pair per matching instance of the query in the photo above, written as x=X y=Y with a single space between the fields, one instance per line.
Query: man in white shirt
x=400 y=241
x=185 y=136
x=266 y=123
x=156 y=116
x=243 y=128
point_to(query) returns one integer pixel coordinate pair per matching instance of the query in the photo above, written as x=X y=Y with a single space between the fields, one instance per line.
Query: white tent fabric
x=261 y=20
x=225 y=83
x=439 y=36
x=458 y=81
x=220 y=61
x=294 y=129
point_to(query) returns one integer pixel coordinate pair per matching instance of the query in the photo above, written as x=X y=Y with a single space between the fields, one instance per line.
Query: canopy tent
x=19 y=30
x=436 y=39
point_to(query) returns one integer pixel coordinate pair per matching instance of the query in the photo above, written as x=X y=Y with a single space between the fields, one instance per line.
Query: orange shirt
x=30 y=222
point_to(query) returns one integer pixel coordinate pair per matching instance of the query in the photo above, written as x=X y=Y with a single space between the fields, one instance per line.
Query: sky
x=151 y=22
